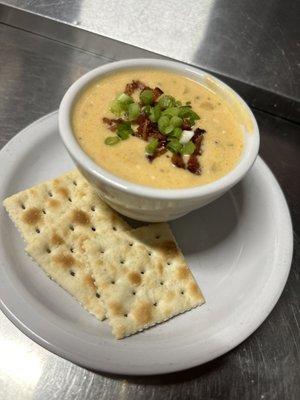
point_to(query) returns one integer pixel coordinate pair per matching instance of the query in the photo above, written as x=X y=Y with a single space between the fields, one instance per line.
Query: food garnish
x=159 y=119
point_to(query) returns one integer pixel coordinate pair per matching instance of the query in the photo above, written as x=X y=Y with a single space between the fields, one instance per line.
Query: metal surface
x=252 y=44
x=34 y=74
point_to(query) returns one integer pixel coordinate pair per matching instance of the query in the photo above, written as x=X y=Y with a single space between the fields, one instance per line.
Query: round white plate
x=239 y=249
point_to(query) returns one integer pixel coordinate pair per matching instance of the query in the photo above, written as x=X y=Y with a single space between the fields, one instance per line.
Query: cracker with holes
x=43 y=204
x=64 y=265
x=142 y=276
x=54 y=218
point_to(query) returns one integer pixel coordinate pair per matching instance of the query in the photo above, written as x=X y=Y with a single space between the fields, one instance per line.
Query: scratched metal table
x=34 y=74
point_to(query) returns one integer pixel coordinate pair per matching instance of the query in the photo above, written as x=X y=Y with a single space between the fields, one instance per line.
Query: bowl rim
x=77 y=153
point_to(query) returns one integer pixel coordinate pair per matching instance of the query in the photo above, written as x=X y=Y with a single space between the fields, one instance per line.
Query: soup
x=199 y=142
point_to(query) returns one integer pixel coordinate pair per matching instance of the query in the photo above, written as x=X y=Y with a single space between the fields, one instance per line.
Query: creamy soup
x=221 y=147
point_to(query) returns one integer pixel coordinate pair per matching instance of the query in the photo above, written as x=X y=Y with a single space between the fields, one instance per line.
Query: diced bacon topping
x=193 y=165
x=157 y=92
x=133 y=86
x=178 y=161
x=112 y=123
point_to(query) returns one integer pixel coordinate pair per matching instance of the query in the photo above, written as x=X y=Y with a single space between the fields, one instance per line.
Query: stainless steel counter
x=34 y=74
x=252 y=44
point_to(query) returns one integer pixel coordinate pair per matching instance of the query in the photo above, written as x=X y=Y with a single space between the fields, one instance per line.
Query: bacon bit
x=162 y=143
x=177 y=160
x=197 y=140
x=144 y=127
x=133 y=86
x=147 y=129
x=193 y=165
x=157 y=135
x=186 y=126
x=159 y=152
x=157 y=92
x=141 y=119
x=150 y=157
x=161 y=149
x=199 y=131
x=112 y=123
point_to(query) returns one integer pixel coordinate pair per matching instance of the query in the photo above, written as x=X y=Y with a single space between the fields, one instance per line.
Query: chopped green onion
x=187 y=112
x=133 y=111
x=163 y=123
x=184 y=111
x=155 y=113
x=188 y=148
x=171 y=111
x=111 y=140
x=169 y=129
x=166 y=101
x=116 y=108
x=146 y=110
x=178 y=103
x=120 y=104
x=174 y=146
x=124 y=125
x=123 y=135
x=124 y=130
x=123 y=98
x=151 y=146
x=176 y=133
x=146 y=96
x=176 y=121
x=193 y=117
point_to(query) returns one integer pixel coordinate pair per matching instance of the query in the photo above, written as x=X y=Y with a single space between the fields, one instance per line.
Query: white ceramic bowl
x=142 y=202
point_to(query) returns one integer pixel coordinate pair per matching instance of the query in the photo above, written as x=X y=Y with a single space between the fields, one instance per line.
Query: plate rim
x=278 y=285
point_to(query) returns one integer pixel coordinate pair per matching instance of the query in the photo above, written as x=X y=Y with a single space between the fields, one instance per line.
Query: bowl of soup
x=157 y=139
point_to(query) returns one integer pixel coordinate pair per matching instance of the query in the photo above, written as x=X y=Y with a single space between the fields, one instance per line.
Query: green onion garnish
x=155 y=113
x=120 y=104
x=188 y=148
x=163 y=123
x=116 y=108
x=151 y=146
x=166 y=102
x=187 y=112
x=146 y=110
x=174 y=146
x=176 y=133
x=176 y=121
x=124 y=99
x=146 y=97
x=123 y=135
x=124 y=130
x=168 y=129
x=133 y=111
x=171 y=111
x=111 y=140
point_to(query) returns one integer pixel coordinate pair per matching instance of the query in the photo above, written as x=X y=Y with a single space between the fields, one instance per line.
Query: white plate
x=239 y=249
